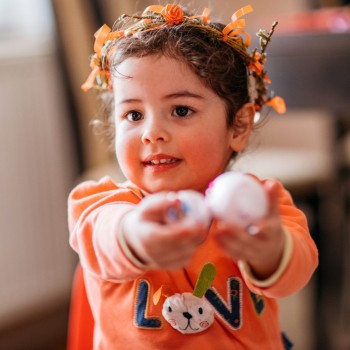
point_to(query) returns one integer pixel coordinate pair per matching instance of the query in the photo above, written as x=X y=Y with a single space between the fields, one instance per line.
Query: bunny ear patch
x=205 y=279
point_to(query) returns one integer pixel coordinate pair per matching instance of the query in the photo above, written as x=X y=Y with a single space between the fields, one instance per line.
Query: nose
x=155 y=131
x=187 y=315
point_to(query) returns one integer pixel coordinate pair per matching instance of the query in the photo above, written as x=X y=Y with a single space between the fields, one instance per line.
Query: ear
x=242 y=127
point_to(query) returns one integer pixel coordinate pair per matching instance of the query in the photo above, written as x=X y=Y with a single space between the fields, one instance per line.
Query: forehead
x=156 y=71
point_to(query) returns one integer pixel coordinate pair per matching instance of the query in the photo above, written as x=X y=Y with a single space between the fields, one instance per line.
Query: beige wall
x=222 y=9
x=262 y=9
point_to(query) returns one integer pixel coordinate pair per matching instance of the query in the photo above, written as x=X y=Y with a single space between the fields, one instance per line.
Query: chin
x=154 y=188
x=161 y=186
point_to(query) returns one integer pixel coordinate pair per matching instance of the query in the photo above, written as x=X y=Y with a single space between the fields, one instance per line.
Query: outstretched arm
x=118 y=235
x=277 y=255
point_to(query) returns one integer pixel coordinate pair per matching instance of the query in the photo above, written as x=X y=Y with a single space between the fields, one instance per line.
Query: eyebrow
x=129 y=100
x=178 y=94
x=183 y=93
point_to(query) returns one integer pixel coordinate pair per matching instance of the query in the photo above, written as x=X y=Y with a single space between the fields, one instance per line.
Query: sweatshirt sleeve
x=303 y=258
x=95 y=210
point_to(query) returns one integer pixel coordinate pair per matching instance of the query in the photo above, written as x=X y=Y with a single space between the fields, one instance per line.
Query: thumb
x=156 y=207
x=272 y=189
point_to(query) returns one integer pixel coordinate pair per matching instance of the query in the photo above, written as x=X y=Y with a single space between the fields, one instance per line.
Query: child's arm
x=277 y=256
x=107 y=222
x=94 y=213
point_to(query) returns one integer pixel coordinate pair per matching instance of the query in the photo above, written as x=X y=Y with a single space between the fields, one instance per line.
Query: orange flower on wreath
x=172 y=13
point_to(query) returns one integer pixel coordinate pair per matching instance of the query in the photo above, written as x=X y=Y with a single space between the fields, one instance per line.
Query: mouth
x=161 y=162
x=189 y=326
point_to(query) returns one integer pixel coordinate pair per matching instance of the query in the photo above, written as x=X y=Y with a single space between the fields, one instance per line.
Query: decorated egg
x=237 y=198
x=193 y=206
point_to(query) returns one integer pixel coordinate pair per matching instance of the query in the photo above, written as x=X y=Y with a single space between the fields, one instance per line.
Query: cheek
x=208 y=149
x=195 y=145
x=125 y=150
x=125 y=139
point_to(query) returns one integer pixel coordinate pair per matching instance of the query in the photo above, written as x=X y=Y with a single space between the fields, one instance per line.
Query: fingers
x=155 y=207
x=158 y=245
x=237 y=243
x=272 y=189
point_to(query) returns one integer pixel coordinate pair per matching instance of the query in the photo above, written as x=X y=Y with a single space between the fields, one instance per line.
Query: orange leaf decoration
x=234 y=35
x=257 y=57
x=256 y=65
x=205 y=15
x=101 y=36
x=241 y=12
x=89 y=83
x=232 y=28
x=278 y=104
x=267 y=79
x=164 y=291
x=153 y=8
x=172 y=13
x=233 y=25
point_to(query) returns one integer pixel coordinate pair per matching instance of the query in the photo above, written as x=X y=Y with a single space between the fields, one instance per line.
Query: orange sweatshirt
x=120 y=293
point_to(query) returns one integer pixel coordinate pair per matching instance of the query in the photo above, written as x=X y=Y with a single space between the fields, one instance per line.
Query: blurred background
x=47 y=147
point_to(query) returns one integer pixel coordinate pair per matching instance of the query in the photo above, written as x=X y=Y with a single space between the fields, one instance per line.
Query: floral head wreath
x=157 y=16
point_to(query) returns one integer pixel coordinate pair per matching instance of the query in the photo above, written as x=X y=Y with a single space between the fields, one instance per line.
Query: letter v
x=230 y=311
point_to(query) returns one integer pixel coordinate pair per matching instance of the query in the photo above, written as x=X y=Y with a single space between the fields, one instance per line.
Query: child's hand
x=261 y=247
x=155 y=242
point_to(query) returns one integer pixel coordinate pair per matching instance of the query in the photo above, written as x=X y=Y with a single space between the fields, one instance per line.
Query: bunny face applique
x=188 y=313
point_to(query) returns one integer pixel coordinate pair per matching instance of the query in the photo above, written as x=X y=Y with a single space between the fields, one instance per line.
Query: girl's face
x=171 y=131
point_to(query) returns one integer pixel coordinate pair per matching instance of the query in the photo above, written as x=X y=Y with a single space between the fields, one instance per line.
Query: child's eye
x=134 y=116
x=182 y=111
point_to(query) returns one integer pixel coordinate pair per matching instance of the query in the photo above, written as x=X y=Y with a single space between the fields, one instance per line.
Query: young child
x=185 y=94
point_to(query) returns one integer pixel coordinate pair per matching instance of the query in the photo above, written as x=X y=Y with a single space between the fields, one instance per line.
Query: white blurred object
x=26 y=18
x=192 y=207
x=237 y=198
x=26 y=28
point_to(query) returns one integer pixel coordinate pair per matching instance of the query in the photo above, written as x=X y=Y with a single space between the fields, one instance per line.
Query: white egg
x=193 y=207
x=237 y=198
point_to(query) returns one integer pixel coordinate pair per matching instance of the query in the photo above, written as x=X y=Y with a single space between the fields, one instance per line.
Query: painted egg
x=193 y=207
x=237 y=198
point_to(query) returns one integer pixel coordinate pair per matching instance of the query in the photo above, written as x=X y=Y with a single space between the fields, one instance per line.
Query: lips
x=160 y=161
